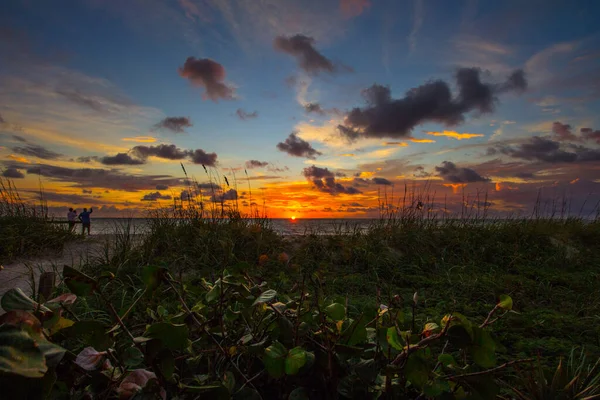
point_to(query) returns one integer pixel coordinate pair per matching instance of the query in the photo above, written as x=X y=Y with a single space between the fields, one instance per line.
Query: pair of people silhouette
x=84 y=218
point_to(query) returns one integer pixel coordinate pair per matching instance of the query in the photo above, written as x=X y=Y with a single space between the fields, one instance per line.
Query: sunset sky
x=329 y=106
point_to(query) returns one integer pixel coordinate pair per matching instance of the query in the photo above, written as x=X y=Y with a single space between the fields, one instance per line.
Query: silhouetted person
x=72 y=217
x=85 y=219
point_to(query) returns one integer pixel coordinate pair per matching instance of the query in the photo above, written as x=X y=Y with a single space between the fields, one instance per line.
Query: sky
x=306 y=108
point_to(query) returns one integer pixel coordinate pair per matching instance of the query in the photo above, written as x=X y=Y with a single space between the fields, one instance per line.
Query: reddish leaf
x=90 y=359
x=65 y=299
x=135 y=382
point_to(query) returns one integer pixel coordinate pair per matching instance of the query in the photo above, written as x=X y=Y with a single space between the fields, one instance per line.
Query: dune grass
x=27 y=229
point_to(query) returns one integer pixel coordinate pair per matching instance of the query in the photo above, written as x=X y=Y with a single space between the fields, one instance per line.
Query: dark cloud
x=12 y=173
x=34 y=150
x=19 y=138
x=590 y=134
x=174 y=124
x=86 y=159
x=208 y=74
x=453 y=174
x=230 y=194
x=302 y=48
x=381 y=181
x=2 y=119
x=297 y=147
x=525 y=175
x=84 y=191
x=272 y=168
x=324 y=181
x=101 y=178
x=549 y=151
x=166 y=151
x=207 y=185
x=154 y=196
x=162 y=187
x=431 y=102
x=199 y=156
x=121 y=159
x=314 y=108
x=244 y=115
x=563 y=132
x=256 y=164
x=420 y=172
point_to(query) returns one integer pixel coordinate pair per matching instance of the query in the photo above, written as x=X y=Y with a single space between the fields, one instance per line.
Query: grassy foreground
x=26 y=229
x=410 y=308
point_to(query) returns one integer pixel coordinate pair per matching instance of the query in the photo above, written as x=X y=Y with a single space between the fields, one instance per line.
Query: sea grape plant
x=235 y=337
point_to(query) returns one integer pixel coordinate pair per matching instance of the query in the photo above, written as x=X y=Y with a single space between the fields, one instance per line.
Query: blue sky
x=84 y=78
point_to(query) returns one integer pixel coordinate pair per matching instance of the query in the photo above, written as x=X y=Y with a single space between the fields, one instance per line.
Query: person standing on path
x=85 y=219
x=72 y=218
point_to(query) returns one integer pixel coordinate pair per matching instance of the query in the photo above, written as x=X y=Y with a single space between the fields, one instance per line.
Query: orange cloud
x=574 y=181
x=19 y=159
x=503 y=186
x=347 y=155
x=456 y=135
x=140 y=139
x=353 y=8
x=456 y=187
x=414 y=140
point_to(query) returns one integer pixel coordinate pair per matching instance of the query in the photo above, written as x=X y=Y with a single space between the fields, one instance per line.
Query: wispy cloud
x=456 y=135
x=417 y=22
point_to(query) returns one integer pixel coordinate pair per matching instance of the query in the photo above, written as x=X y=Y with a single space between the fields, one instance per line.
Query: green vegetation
x=26 y=229
x=413 y=307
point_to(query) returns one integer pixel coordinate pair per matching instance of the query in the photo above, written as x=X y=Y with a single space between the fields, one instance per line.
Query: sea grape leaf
x=274 y=359
x=295 y=360
x=16 y=299
x=78 y=283
x=335 y=311
x=505 y=302
x=265 y=297
x=393 y=338
x=172 y=336
x=20 y=354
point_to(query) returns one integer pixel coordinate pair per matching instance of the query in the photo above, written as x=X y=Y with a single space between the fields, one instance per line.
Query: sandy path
x=18 y=273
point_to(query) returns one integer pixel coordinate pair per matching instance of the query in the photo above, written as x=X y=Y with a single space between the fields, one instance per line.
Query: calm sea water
x=101 y=226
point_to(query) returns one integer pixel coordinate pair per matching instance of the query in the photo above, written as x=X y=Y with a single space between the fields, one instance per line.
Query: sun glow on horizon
x=293 y=218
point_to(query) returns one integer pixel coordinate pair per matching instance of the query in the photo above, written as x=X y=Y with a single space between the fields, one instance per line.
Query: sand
x=17 y=274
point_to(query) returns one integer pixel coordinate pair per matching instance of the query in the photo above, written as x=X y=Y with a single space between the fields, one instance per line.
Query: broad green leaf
x=92 y=332
x=436 y=388
x=60 y=324
x=299 y=394
x=25 y=321
x=355 y=333
x=265 y=297
x=483 y=348
x=505 y=302
x=214 y=293
x=78 y=282
x=295 y=360
x=335 y=311
x=53 y=352
x=459 y=336
x=16 y=299
x=393 y=338
x=274 y=359
x=367 y=370
x=416 y=370
x=19 y=353
x=132 y=357
x=174 y=337
x=166 y=363
x=446 y=360
x=229 y=381
x=152 y=276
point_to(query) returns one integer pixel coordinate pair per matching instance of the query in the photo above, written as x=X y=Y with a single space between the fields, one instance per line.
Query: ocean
x=103 y=226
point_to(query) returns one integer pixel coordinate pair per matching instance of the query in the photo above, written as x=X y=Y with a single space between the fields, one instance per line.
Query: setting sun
x=293 y=217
